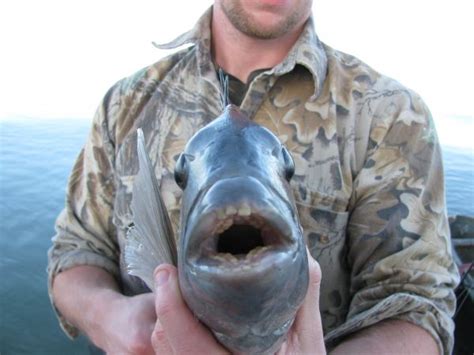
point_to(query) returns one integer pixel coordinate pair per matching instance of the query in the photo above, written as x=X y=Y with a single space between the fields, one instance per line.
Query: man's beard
x=243 y=22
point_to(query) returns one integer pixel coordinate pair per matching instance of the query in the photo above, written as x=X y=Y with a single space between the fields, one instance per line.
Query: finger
x=308 y=324
x=184 y=332
x=135 y=329
x=159 y=340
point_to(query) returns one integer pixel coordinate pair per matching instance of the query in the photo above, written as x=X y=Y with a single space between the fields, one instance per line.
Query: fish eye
x=181 y=171
x=289 y=164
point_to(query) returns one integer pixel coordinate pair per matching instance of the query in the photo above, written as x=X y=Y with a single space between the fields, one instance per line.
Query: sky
x=59 y=57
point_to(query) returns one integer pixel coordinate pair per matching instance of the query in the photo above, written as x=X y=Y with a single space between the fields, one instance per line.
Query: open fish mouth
x=240 y=237
x=249 y=259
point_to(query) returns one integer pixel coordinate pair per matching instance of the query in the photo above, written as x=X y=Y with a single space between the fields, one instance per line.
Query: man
x=368 y=185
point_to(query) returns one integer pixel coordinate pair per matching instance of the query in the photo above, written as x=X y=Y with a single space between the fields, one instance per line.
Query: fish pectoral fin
x=138 y=261
x=150 y=242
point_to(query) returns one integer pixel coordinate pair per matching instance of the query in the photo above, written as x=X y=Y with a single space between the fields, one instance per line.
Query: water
x=459 y=177
x=35 y=159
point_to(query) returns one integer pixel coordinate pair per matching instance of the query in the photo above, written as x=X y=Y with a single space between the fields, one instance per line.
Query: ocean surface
x=36 y=157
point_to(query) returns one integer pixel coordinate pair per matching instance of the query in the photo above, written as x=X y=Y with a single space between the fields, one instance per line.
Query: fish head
x=242 y=260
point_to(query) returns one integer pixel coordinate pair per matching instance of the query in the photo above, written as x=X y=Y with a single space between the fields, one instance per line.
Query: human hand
x=128 y=323
x=178 y=331
x=306 y=334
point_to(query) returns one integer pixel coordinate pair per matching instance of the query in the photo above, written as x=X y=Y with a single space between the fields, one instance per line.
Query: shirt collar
x=199 y=34
x=307 y=51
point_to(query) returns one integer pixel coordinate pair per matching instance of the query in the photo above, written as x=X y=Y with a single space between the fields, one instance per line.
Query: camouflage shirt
x=368 y=180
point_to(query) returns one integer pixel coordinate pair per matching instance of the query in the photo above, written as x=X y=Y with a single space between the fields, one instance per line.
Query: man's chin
x=266 y=19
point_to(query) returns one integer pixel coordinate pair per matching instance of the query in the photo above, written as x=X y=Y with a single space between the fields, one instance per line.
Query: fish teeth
x=223 y=226
x=245 y=210
x=221 y=214
x=230 y=210
x=256 y=251
x=219 y=257
x=233 y=262
x=226 y=225
x=225 y=257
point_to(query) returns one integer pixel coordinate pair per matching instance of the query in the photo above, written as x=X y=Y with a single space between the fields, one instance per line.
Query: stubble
x=245 y=23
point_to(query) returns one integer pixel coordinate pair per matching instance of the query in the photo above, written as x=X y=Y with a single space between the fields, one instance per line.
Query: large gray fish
x=242 y=261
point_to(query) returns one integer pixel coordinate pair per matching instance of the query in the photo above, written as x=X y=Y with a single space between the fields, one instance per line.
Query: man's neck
x=239 y=54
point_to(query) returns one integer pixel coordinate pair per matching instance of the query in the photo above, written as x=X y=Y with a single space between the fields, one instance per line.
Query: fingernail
x=161 y=277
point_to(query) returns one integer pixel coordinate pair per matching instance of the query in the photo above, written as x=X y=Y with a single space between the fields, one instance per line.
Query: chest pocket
x=325 y=233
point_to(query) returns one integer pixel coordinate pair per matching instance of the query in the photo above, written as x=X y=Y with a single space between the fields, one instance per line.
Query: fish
x=242 y=262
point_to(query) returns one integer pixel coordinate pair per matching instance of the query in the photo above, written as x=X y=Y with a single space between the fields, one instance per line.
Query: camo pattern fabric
x=368 y=182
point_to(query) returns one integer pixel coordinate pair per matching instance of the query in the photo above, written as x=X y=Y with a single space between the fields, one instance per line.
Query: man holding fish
x=366 y=181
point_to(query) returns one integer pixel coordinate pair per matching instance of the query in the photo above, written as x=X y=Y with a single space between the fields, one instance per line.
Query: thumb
x=168 y=300
x=308 y=323
x=314 y=275
x=185 y=334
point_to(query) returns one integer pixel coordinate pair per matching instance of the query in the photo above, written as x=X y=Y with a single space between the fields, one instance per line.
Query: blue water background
x=36 y=157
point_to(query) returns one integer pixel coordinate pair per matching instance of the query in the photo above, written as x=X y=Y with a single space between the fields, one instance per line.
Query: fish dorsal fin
x=150 y=240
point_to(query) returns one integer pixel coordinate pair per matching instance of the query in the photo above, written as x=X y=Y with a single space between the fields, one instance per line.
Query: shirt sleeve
x=399 y=247
x=85 y=234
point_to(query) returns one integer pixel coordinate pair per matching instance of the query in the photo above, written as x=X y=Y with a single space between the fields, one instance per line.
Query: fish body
x=242 y=260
